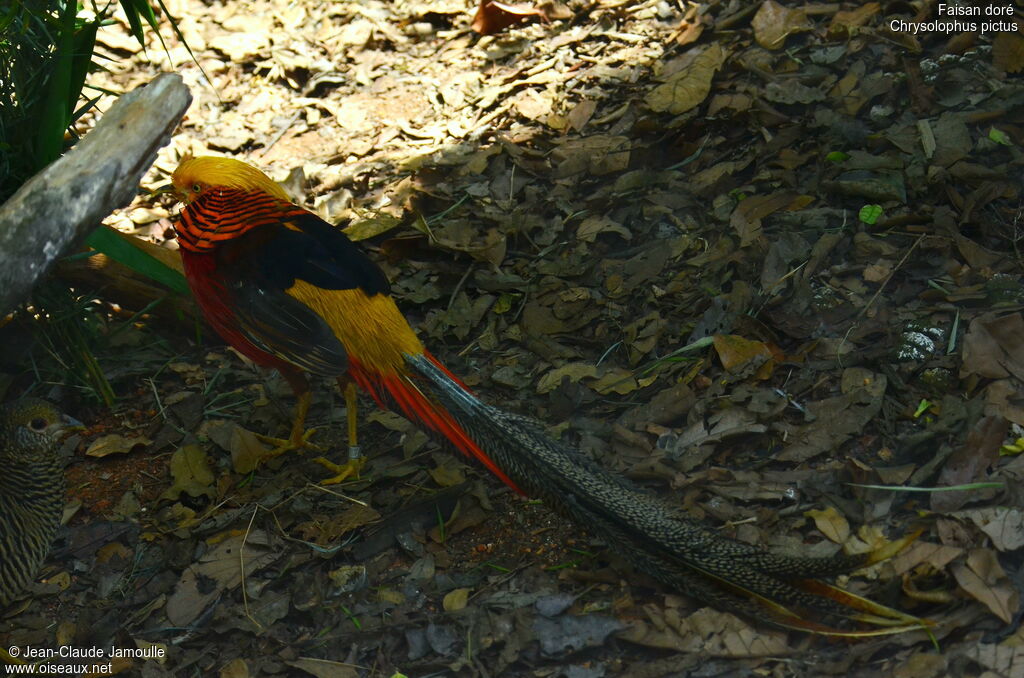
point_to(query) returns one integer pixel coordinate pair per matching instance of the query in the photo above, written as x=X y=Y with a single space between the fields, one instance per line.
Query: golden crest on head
x=194 y=175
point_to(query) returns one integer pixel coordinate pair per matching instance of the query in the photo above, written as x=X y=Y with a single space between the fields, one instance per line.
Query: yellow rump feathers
x=194 y=175
x=371 y=328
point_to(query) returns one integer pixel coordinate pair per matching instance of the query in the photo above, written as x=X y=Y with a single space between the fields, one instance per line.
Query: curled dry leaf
x=114 y=444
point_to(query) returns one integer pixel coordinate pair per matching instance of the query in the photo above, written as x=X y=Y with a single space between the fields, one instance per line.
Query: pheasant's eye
x=38 y=424
x=196 y=188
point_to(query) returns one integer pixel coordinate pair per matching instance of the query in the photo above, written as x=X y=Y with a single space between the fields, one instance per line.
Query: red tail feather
x=416 y=406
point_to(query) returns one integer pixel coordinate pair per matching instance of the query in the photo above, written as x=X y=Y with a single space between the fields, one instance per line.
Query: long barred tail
x=656 y=538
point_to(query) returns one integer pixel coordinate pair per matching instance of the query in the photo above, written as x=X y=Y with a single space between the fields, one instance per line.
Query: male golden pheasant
x=292 y=292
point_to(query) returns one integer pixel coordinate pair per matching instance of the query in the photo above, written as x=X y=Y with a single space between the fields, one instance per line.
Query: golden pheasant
x=292 y=292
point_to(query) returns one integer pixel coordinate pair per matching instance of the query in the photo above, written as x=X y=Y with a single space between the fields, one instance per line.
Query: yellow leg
x=355 y=456
x=299 y=438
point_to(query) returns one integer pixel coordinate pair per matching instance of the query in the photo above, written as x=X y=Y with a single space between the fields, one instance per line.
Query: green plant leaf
x=54 y=111
x=869 y=213
x=837 y=157
x=115 y=245
x=999 y=136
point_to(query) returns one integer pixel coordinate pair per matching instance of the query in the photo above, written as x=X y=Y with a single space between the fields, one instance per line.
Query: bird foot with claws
x=295 y=443
x=350 y=469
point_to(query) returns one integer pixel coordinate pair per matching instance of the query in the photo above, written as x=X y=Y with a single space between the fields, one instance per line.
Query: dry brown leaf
x=747 y=216
x=239 y=47
x=323 y=668
x=830 y=523
x=581 y=113
x=735 y=351
x=598 y=154
x=447 y=476
x=619 y=380
x=793 y=93
x=534 y=104
x=1003 y=525
x=970 y=463
x=876 y=273
x=455 y=600
x=773 y=23
x=689 y=31
x=328 y=529
x=114 y=444
x=994 y=347
x=462 y=236
x=1001 y=659
x=731 y=101
x=705 y=179
x=1002 y=398
x=246 y=450
x=953 y=140
x=573 y=371
x=845 y=23
x=833 y=421
x=236 y=668
x=190 y=470
x=984 y=579
x=214 y=572
x=935 y=556
x=492 y=16
x=590 y=227
x=706 y=631
x=688 y=87
x=1008 y=51
x=922 y=665
x=355 y=33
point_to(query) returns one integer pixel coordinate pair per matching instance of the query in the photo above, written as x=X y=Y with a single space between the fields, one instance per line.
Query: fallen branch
x=57 y=208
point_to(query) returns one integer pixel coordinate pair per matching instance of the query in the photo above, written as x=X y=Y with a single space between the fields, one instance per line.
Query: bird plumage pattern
x=31 y=489
x=291 y=291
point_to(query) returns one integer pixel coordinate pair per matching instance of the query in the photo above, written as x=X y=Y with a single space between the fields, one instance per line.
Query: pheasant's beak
x=68 y=424
x=163 y=190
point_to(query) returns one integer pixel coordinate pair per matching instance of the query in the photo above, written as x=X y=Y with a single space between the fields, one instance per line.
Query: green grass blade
x=131 y=11
x=81 y=60
x=181 y=36
x=951 y=488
